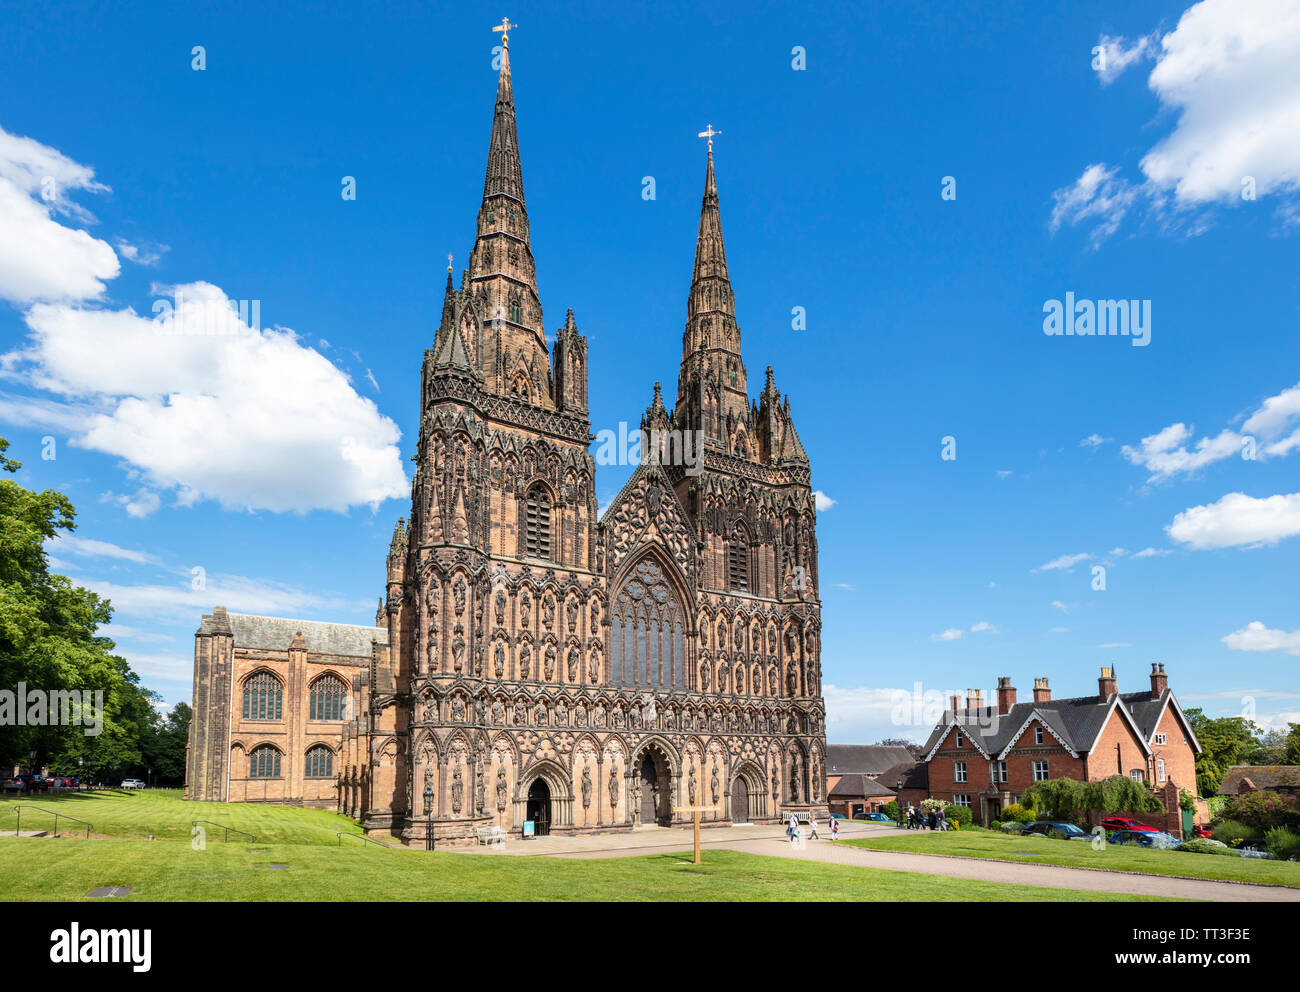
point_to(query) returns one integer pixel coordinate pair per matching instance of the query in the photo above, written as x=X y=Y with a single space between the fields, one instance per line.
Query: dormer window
x=1038 y=735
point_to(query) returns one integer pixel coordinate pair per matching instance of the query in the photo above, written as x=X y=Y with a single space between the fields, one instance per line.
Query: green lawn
x=169 y=869
x=1079 y=854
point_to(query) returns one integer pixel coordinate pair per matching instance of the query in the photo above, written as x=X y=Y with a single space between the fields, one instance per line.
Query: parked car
x=1145 y=838
x=14 y=784
x=1050 y=828
x=132 y=783
x=875 y=818
x=1202 y=831
x=838 y=816
x=35 y=783
x=1124 y=823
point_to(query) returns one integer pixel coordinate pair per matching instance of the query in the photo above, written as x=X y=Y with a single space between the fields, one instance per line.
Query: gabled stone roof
x=277 y=633
x=864 y=759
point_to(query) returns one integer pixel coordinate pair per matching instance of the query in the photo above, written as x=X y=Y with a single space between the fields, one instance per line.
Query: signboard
x=528 y=828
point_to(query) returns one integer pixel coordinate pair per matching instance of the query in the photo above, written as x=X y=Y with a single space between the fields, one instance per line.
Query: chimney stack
x=1159 y=680
x=1042 y=691
x=956 y=704
x=974 y=699
x=1006 y=694
x=1106 y=684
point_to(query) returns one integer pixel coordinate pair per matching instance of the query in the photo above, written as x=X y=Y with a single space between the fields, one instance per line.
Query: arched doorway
x=655 y=785
x=740 y=800
x=539 y=807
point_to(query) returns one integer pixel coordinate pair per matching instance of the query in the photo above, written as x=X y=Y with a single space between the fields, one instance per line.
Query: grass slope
x=1079 y=854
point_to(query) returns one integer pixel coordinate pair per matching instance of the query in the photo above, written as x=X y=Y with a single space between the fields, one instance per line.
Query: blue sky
x=275 y=461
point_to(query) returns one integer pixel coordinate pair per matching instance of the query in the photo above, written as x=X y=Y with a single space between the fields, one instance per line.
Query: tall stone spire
x=711 y=387
x=510 y=347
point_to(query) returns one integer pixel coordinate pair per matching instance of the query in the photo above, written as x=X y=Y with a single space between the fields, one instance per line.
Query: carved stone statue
x=690 y=786
x=501 y=788
x=713 y=783
x=525 y=657
x=586 y=786
x=613 y=787
x=458 y=650
x=459 y=591
x=571 y=611
x=500 y=601
x=499 y=659
x=548 y=612
x=550 y=662
x=573 y=664
x=457 y=791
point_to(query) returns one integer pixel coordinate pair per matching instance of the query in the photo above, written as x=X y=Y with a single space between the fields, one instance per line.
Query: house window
x=956 y=738
x=1040 y=770
x=264 y=762
x=1136 y=775
x=738 y=561
x=1160 y=770
x=320 y=762
x=999 y=771
x=961 y=799
x=959 y=771
x=1161 y=739
x=537 y=524
x=326 y=699
x=263 y=697
x=1038 y=735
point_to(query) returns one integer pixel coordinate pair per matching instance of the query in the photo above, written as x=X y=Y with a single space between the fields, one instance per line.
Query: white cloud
x=1119 y=56
x=85 y=547
x=1226 y=76
x=858 y=714
x=951 y=634
x=1256 y=637
x=1066 y=562
x=983 y=625
x=823 y=502
x=1004 y=473
x=1116 y=644
x=1094 y=441
x=1059 y=630
x=196 y=401
x=1063 y=607
x=1153 y=553
x=41 y=259
x=1238 y=519
x=180 y=602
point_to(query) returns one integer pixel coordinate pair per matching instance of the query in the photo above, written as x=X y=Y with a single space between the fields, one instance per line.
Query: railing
x=228 y=830
x=19 y=811
x=343 y=833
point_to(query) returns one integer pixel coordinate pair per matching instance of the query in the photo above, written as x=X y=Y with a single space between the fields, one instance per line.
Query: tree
x=1292 y=754
x=914 y=749
x=1224 y=742
x=48 y=642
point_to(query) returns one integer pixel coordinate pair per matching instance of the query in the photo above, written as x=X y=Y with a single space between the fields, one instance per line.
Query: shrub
x=1055 y=799
x=958 y=814
x=1186 y=800
x=1232 y=833
x=1199 y=845
x=1018 y=813
x=1263 y=810
x=1282 y=843
x=1012 y=826
x=996 y=825
x=890 y=809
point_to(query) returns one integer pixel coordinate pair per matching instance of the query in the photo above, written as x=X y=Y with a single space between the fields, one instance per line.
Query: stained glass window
x=326 y=698
x=320 y=762
x=263 y=697
x=264 y=762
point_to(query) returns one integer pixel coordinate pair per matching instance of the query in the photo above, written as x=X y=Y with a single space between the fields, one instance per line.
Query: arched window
x=320 y=762
x=264 y=762
x=647 y=631
x=263 y=697
x=516 y=309
x=537 y=524
x=327 y=694
x=738 y=561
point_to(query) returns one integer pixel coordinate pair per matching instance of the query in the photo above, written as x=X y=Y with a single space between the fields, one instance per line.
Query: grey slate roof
x=277 y=633
x=915 y=775
x=1262 y=777
x=864 y=759
x=1076 y=721
x=859 y=785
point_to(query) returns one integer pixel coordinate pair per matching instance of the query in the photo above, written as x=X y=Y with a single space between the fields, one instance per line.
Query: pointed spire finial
x=449 y=262
x=708 y=132
x=504 y=27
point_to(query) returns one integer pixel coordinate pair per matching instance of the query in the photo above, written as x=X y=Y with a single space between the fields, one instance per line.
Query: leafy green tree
x=1225 y=741
x=1291 y=756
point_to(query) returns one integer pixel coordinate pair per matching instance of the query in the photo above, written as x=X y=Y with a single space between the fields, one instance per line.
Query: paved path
x=770 y=840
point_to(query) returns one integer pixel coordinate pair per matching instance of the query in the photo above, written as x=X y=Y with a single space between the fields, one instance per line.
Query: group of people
x=794 y=831
x=916 y=818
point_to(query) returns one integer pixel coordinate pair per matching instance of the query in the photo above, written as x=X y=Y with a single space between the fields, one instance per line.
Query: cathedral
x=534 y=666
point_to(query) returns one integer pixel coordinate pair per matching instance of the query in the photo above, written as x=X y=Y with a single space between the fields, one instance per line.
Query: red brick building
x=985 y=755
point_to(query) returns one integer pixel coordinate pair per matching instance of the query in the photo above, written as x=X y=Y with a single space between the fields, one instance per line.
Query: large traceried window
x=326 y=702
x=320 y=762
x=263 y=697
x=647 y=631
x=264 y=762
x=537 y=524
x=738 y=561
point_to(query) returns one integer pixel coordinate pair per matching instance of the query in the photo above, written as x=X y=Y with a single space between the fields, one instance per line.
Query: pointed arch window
x=516 y=309
x=537 y=524
x=264 y=762
x=263 y=697
x=327 y=694
x=320 y=762
x=647 y=631
x=738 y=561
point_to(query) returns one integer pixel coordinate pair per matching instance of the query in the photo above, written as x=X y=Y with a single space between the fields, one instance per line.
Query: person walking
x=943 y=820
x=835 y=829
x=812 y=827
x=933 y=823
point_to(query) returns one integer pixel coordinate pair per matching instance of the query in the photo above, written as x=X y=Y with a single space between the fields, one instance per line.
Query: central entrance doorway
x=539 y=808
x=651 y=786
x=739 y=800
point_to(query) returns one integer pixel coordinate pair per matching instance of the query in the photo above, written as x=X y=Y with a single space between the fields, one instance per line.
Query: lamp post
x=428 y=811
x=898 y=797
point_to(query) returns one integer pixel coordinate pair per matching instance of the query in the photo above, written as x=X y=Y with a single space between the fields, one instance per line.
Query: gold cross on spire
x=504 y=27
x=448 y=262
x=708 y=132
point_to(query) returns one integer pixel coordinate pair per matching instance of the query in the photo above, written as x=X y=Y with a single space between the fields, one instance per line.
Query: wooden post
x=695 y=812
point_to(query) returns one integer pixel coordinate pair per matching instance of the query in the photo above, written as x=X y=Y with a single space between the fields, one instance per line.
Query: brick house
x=984 y=756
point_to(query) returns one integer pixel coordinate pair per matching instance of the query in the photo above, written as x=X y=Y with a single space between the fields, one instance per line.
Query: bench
x=492 y=836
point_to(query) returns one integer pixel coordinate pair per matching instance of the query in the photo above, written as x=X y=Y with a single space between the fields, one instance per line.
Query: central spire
x=504 y=172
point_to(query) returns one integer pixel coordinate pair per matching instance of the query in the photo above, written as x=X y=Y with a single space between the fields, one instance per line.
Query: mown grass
x=66 y=869
x=1080 y=854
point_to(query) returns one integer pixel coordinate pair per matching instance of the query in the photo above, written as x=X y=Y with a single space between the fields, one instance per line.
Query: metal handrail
x=369 y=840
x=251 y=837
x=19 y=821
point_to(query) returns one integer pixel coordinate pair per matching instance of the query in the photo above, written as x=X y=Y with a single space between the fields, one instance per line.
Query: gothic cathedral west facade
x=531 y=663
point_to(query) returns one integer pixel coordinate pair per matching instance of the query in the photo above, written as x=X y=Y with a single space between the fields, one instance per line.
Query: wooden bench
x=493 y=836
